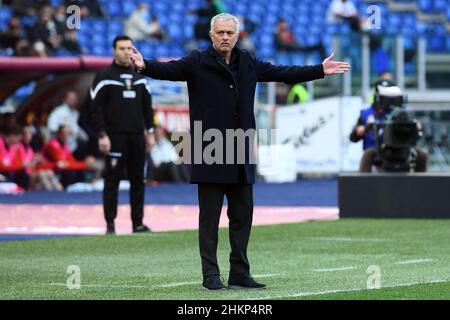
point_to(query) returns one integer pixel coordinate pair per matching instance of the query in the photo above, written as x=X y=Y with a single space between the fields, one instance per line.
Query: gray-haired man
x=221 y=83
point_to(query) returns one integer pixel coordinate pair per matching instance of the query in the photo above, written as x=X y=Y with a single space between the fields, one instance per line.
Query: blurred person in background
x=12 y=157
x=138 y=27
x=28 y=8
x=67 y=114
x=88 y=8
x=69 y=36
x=44 y=35
x=70 y=170
x=370 y=126
x=201 y=26
x=341 y=11
x=247 y=27
x=285 y=41
x=14 y=38
x=165 y=160
x=123 y=118
x=40 y=171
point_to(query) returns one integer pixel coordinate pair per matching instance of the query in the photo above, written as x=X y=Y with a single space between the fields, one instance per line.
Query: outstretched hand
x=136 y=58
x=334 y=67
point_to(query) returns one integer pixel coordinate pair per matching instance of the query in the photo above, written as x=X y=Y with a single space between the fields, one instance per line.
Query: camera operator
x=387 y=96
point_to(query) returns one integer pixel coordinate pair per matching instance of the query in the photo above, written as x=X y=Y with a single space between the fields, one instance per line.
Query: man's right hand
x=136 y=58
x=104 y=144
x=360 y=131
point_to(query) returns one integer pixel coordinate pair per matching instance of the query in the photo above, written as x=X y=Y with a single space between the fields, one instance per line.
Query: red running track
x=88 y=219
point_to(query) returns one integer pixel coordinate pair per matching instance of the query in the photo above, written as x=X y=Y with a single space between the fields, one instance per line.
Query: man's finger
x=330 y=57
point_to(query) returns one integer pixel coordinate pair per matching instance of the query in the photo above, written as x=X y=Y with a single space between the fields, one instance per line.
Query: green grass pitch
x=313 y=260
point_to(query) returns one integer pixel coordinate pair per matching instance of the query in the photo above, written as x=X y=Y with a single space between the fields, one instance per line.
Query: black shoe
x=244 y=281
x=213 y=282
x=141 y=229
x=110 y=228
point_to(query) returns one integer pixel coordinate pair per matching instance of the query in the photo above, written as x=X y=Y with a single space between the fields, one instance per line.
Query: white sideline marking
x=414 y=261
x=306 y=294
x=168 y=285
x=335 y=269
x=269 y=275
x=59 y=284
x=177 y=284
x=350 y=239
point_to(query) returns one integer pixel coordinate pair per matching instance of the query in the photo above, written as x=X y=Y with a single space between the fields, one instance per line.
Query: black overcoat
x=219 y=102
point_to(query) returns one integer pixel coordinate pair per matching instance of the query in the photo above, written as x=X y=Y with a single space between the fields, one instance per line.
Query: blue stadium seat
x=55 y=3
x=307 y=20
x=114 y=8
x=127 y=8
x=99 y=26
x=425 y=5
x=437 y=43
x=5 y=13
x=115 y=27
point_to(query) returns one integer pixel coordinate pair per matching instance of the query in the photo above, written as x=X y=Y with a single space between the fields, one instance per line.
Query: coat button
x=231 y=86
x=235 y=113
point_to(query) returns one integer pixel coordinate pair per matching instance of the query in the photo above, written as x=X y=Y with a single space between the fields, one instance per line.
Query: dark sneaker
x=110 y=228
x=141 y=229
x=244 y=281
x=213 y=282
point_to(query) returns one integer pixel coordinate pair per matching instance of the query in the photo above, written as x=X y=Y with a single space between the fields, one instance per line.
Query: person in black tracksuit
x=122 y=115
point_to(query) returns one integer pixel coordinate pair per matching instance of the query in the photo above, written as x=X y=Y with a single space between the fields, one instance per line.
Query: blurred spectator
x=8 y=120
x=88 y=8
x=44 y=35
x=246 y=28
x=163 y=160
x=137 y=26
x=12 y=155
x=40 y=172
x=14 y=38
x=285 y=41
x=28 y=7
x=69 y=36
x=205 y=14
x=70 y=170
x=67 y=114
x=344 y=11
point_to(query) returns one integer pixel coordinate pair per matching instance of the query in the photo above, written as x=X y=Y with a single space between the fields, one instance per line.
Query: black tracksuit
x=122 y=109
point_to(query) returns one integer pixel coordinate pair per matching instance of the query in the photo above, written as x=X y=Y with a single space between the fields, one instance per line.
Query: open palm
x=334 y=67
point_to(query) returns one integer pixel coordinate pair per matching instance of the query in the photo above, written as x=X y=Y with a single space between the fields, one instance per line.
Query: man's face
x=122 y=52
x=12 y=138
x=72 y=100
x=224 y=36
x=63 y=134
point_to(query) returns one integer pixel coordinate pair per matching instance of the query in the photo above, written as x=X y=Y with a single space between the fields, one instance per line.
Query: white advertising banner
x=319 y=132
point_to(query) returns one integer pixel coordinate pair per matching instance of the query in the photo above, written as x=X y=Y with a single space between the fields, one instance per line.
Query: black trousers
x=131 y=148
x=240 y=215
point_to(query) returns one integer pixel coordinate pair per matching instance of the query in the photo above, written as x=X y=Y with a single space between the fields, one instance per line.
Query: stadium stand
x=410 y=18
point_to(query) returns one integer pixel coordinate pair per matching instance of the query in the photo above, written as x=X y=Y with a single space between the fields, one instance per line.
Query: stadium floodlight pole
x=310 y=84
x=421 y=64
x=347 y=83
x=365 y=67
x=271 y=93
x=400 y=61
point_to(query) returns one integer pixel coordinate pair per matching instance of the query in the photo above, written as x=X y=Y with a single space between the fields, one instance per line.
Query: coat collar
x=212 y=52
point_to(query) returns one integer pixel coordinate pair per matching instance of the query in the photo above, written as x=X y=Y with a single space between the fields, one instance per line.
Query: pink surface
x=88 y=219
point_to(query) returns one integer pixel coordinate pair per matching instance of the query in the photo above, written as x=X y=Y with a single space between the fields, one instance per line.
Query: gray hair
x=224 y=17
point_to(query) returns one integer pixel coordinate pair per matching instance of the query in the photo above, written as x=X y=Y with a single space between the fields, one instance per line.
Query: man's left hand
x=334 y=67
